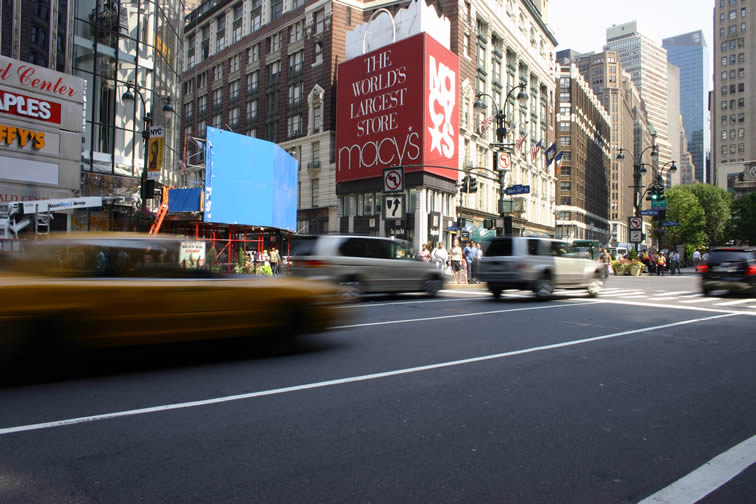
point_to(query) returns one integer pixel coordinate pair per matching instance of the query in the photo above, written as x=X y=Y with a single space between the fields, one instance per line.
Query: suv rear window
x=303 y=246
x=500 y=247
x=720 y=256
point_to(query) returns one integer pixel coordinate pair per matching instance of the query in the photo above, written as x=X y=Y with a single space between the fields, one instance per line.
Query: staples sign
x=32 y=108
x=397 y=105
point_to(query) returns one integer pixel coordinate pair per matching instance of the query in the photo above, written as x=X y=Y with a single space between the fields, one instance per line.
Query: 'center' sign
x=396 y=106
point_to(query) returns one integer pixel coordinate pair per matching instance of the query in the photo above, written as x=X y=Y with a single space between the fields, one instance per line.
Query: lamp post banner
x=398 y=106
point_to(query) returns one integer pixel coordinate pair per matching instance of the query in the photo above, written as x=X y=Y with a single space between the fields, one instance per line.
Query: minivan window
x=499 y=247
x=533 y=246
x=356 y=247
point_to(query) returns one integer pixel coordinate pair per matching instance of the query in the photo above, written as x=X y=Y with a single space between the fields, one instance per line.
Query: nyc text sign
x=397 y=106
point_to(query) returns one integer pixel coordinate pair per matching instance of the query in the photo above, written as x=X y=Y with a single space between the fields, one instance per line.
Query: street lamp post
x=128 y=96
x=501 y=133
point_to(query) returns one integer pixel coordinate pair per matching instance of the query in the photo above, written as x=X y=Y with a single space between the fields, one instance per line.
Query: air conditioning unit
x=314 y=164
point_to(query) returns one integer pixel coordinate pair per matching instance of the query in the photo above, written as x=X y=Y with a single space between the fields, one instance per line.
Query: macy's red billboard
x=397 y=105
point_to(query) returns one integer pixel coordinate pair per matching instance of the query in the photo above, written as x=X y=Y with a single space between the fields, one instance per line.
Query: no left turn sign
x=503 y=161
x=636 y=223
x=393 y=179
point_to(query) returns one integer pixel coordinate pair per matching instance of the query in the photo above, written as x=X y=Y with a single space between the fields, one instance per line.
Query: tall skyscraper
x=646 y=61
x=733 y=99
x=689 y=52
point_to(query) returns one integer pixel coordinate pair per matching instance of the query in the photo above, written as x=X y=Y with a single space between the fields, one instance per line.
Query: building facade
x=613 y=87
x=733 y=103
x=690 y=53
x=646 y=62
x=115 y=47
x=584 y=182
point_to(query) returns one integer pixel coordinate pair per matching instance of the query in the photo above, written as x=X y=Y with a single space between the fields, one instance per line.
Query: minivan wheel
x=544 y=288
x=432 y=286
x=496 y=291
x=350 y=289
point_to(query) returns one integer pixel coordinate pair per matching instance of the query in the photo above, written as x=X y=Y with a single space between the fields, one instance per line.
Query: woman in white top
x=440 y=256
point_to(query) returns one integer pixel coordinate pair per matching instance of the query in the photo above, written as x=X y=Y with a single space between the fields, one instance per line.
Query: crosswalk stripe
x=739 y=301
x=692 y=295
x=700 y=300
x=673 y=293
x=617 y=294
x=663 y=298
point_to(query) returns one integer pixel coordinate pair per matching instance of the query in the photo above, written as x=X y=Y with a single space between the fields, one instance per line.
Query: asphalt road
x=456 y=399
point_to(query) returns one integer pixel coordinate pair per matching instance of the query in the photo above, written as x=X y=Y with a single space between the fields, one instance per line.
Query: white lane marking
x=670 y=306
x=615 y=294
x=736 y=302
x=692 y=295
x=664 y=298
x=700 y=300
x=457 y=315
x=713 y=474
x=637 y=297
x=673 y=293
x=392 y=303
x=341 y=381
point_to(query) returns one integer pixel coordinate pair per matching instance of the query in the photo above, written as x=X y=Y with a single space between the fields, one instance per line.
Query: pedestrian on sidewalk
x=275 y=259
x=469 y=256
x=696 y=258
x=476 y=262
x=424 y=253
x=456 y=261
x=673 y=262
x=440 y=256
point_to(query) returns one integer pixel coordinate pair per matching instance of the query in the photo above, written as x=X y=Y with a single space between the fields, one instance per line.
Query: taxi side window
x=559 y=248
x=533 y=247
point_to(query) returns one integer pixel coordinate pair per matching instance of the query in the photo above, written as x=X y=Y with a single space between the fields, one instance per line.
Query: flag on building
x=558 y=162
x=550 y=154
x=486 y=123
x=534 y=151
x=518 y=143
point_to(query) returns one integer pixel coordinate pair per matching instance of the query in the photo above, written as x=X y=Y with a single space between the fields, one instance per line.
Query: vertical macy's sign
x=386 y=99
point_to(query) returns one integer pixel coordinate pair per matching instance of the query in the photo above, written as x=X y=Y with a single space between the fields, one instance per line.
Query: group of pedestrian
x=661 y=262
x=463 y=263
x=272 y=259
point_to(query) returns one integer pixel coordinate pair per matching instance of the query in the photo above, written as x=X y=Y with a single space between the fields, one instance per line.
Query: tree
x=716 y=205
x=684 y=207
x=743 y=222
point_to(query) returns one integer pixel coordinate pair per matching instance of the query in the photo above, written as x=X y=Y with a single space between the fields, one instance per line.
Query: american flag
x=486 y=123
x=534 y=151
x=518 y=143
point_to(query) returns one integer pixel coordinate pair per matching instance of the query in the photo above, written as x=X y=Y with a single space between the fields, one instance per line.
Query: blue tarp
x=184 y=200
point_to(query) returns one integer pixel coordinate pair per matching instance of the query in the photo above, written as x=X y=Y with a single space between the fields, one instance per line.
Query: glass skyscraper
x=688 y=51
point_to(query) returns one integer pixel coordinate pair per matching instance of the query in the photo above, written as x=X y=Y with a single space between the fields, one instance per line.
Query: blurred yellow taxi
x=124 y=289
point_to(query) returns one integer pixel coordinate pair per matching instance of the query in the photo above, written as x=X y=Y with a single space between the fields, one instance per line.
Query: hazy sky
x=581 y=24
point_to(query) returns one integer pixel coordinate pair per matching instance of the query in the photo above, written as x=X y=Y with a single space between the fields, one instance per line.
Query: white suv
x=539 y=265
x=364 y=264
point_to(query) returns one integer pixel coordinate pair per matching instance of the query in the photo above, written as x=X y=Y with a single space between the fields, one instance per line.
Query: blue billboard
x=249 y=181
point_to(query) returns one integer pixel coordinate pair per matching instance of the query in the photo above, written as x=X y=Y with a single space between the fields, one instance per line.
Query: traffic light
x=465 y=184
x=473 y=187
x=488 y=223
x=660 y=192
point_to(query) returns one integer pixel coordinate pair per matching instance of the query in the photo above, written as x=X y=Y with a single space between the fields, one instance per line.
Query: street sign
x=504 y=162
x=518 y=189
x=393 y=179
x=670 y=223
x=636 y=236
x=393 y=206
x=659 y=204
x=636 y=223
x=651 y=212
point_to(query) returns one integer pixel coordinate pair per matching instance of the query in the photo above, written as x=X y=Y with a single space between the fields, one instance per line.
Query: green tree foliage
x=743 y=223
x=683 y=206
x=716 y=205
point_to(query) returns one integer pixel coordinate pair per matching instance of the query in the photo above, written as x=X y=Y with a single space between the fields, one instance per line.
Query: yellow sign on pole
x=155 y=149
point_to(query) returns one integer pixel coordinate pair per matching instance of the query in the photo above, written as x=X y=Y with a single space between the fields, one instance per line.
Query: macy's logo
x=442 y=94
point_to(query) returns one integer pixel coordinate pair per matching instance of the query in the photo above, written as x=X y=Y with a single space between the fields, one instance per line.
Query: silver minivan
x=539 y=265
x=364 y=264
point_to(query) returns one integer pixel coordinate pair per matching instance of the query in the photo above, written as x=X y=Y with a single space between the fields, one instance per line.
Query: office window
x=296 y=32
x=723 y=150
x=255 y=16
x=741 y=147
x=252 y=111
x=234 y=90
x=565 y=186
x=314 y=192
x=732 y=59
x=564 y=126
x=202 y=104
x=295 y=94
x=565 y=200
x=724 y=60
x=296 y=62
x=732 y=29
x=294 y=126
x=237 y=26
x=274 y=72
x=202 y=128
x=741 y=117
x=217 y=121
x=741 y=72
x=349 y=16
x=743 y=12
x=732 y=148
x=733 y=14
x=724 y=90
x=235 y=63
x=252 y=81
x=724 y=105
x=318 y=52
x=564 y=140
x=276 y=9
x=732 y=44
x=220 y=33
x=741 y=132
x=721 y=33
x=319 y=21
x=724 y=47
x=732 y=74
x=724 y=75
x=275 y=42
x=202 y=80
x=732 y=134
x=233 y=117
x=742 y=27
x=732 y=88
x=217 y=97
x=721 y=17
x=741 y=87
x=218 y=72
x=741 y=57
x=741 y=102
x=188 y=110
x=253 y=55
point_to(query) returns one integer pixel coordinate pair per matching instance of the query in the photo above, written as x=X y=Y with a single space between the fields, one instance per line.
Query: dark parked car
x=730 y=269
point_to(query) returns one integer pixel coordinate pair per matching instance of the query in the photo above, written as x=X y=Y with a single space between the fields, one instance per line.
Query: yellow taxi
x=124 y=289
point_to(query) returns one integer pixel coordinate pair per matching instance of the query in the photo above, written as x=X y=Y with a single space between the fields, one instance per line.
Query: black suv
x=730 y=269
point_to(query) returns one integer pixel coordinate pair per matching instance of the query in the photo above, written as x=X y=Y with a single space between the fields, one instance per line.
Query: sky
x=581 y=24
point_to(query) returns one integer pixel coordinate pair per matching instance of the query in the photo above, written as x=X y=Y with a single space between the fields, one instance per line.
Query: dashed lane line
x=700 y=300
x=353 y=379
x=737 y=302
